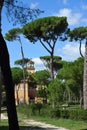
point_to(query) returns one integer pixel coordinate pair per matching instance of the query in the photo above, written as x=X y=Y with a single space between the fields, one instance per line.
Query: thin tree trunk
x=85 y=79
x=81 y=98
x=51 y=67
x=23 y=70
x=9 y=87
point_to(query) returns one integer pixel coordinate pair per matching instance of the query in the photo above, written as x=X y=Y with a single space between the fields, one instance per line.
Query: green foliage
x=42 y=77
x=74 y=114
x=13 y=34
x=55 y=113
x=78 y=114
x=64 y=114
x=72 y=76
x=22 y=61
x=77 y=71
x=56 y=62
x=42 y=92
x=46 y=111
x=66 y=71
x=36 y=107
x=31 y=80
x=55 y=90
x=79 y=33
x=45 y=28
x=17 y=74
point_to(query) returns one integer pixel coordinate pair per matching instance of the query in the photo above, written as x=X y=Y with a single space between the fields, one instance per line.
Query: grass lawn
x=69 y=124
x=23 y=113
x=66 y=123
x=4 y=126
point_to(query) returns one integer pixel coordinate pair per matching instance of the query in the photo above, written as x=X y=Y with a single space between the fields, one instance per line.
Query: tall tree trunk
x=9 y=87
x=81 y=98
x=0 y=91
x=23 y=70
x=85 y=79
x=51 y=67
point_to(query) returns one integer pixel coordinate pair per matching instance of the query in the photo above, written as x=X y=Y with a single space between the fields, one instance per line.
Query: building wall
x=19 y=93
x=30 y=92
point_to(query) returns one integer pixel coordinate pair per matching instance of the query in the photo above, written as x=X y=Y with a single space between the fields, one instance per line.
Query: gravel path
x=3 y=117
x=43 y=125
x=37 y=124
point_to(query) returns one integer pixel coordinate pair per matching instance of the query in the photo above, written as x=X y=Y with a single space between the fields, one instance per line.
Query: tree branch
x=80 y=49
x=45 y=46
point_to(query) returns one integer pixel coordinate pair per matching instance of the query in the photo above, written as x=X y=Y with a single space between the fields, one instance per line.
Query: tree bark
x=9 y=86
x=51 y=67
x=23 y=70
x=85 y=79
x=0 y=92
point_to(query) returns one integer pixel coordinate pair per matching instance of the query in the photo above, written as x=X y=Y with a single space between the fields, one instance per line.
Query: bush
x=82 y=115
x=55 y=113
x=46 y=110
x=73 y=103
x=73 y=114
x=78 y=114
x=36 y=107
x=65 y=114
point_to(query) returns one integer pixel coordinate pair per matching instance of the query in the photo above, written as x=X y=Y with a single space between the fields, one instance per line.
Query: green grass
x=4 y=125
x=25 y=113
x=69 y=124
x=66 y=123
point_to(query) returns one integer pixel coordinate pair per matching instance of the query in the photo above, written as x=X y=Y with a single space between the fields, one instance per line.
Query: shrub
x=73 y=114
x=73 y=103
x=82 y=115
x=36 y=107
x=65 y=114
x=55 y=113
x=78 y=114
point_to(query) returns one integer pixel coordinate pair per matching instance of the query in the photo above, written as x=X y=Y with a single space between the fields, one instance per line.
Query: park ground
x=32 y=124
x=40 y=123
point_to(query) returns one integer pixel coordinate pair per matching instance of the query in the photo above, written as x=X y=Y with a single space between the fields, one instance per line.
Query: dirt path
x=3 y=117
x=34 y=123
x=42 y=125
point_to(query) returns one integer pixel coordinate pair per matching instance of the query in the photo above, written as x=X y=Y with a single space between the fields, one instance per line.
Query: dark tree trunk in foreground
x=9 y=87
x=85 y=79
x=0 y=91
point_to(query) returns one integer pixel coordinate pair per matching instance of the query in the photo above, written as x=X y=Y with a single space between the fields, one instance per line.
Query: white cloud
x=33 y=5
x=65 y=1
x=84 y=20
x=70 y=51
x=73 y=18
x=38 y=64
x=84 y=7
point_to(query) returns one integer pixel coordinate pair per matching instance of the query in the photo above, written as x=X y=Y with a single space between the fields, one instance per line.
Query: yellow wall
x=19 y=93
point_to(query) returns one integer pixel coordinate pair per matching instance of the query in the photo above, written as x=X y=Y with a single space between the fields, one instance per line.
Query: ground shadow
x=4 y=128
x=83 y=129
x=27 y=128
